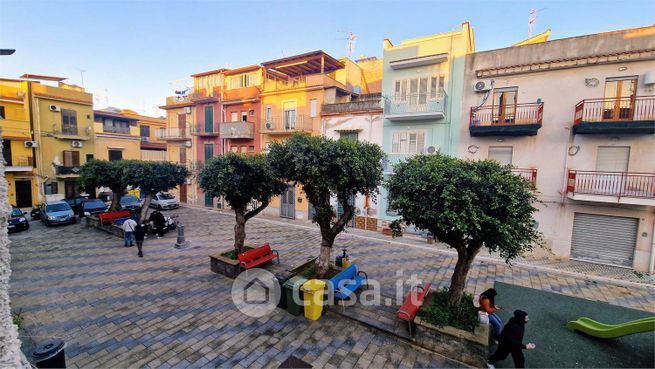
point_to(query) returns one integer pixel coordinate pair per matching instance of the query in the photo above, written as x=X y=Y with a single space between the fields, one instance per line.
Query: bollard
x=181 y=242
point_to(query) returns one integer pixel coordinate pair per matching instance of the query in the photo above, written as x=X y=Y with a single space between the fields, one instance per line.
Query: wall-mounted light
x=622 y=69
x=500 y=140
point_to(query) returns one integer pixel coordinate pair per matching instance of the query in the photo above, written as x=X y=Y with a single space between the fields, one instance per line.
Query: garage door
x=604 y=239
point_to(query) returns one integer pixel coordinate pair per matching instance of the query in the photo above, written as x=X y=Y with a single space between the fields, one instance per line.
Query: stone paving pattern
x=168 y=310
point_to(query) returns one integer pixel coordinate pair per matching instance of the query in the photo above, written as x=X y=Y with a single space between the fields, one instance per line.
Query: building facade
x=422 y=88
x=117 y=136
x=576 y=117
x=17 y=142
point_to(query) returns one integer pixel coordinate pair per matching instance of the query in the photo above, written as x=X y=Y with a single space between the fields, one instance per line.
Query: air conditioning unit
x=55 y=108
x=77 y=144
x=187 y=110
x=145 y=139
x=31 y=144
x=432 y=149
x=483 y=85
x=269 y=125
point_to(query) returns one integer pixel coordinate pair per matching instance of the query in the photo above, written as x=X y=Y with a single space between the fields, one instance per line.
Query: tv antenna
x=82 y=71
x=351 y=38
x=532 y=20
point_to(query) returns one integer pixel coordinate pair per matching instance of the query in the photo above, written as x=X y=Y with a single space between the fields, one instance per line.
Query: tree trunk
x=144 y=208
x=323 y=262
x=458 y=281
x=115 y=199
x=239 y=231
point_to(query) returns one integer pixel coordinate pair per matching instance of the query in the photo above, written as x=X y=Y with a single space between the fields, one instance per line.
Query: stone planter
x=224 y=265
x=303 y=266
x=468 y=347
x=93 y=221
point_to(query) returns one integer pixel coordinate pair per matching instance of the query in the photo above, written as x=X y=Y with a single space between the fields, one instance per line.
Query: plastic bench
x=111 y=216
x=413 y=303
x=347 y=282
x=260 y=255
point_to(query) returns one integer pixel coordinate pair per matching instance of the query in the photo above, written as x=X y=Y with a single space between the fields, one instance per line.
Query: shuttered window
x=501 y=154
x=408 y=142
x=612 y=158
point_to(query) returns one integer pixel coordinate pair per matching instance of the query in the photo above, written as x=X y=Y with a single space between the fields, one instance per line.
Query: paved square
x=114 y=309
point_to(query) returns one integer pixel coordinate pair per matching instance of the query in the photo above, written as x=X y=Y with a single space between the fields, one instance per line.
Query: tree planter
x=117 y=231
x=224 y=265
x=465 y=346
x=303 y=266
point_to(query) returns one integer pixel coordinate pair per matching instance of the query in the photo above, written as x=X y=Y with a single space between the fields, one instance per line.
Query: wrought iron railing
x=352 y=106
x=619 y=184
x=237 y=130
x=62 y=169
x=511 y=114
x=416 y=103
x=615 y=109
x=529 y=174
x=288 y=123
x=173 y=133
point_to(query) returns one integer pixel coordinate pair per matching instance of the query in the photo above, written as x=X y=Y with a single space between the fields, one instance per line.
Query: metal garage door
x=604 y=239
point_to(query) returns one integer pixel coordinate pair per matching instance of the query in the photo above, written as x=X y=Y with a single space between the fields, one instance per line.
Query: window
x=68 y=122
x=243 y=80
x=612 y=158
x=6 y=152
x=419 y=90
x=504 y=104
x=2 y=112
x=269 y=113
x=209 y=118
x=234 y=117
x=234 y=149
x=71 y=158
x=115 y=155
x=209 y=151
x=251 y=113
x=115 y=125
x=408 y=142
x=313 y=108
x=145 y=131
x=243 y=149
x=181 y=122
x=251 y=149
x=89 y=157
x=50 y=188
x=502 y=155
x=349 y=135
x=244 y=116
x=289 y=119
x=619 y=98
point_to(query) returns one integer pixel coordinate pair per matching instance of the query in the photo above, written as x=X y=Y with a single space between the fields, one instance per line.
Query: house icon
x=256 y=292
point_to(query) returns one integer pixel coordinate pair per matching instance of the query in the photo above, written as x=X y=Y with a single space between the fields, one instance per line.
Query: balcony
x=529 y=174
x=72 y=132
x=287 y=124
x=612 y=187
x=356 y=106
x=174 y=134
x=506 y=120
x=415 y=107
x=238 y=130
x=203 y=131
x=203 y=96
x=20 y=164
x=615 y=116
x=63 y=171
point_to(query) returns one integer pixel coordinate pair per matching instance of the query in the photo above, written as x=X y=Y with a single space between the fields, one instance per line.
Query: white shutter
x=420 y=142
x=395 y=142
x=604 y=239
x=313 y=107
x=612 y=158
x=502 y=155
x=234 y=117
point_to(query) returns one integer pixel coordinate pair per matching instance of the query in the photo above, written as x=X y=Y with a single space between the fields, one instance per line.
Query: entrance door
x=340 y=210
x=288 y=206
x=209 y=200
x=620 y=96
x=183 y=193
x=604 y=239
x=183 y=155
x=504 y=105
x=23 y=193
x=71 y=188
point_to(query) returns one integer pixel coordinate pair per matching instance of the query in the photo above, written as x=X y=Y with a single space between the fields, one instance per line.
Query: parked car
x=57 y=212
x=94 y=206
x=76 y=203
x=130 y=202
x=164 y=200
x=17 y=220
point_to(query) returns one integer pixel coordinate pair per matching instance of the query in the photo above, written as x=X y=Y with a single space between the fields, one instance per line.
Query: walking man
x=128 y=227
x=160 y=223
x=511 y=341
x=139 y=235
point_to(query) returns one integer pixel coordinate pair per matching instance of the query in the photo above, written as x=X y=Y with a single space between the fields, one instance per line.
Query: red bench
x=113 y=215
x=413 y=303
x=252 y=258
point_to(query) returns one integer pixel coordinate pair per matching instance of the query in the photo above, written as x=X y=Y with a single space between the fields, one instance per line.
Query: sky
x=132 y=55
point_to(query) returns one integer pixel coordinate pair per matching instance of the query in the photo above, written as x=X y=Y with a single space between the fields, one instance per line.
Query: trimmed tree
x=240 y=180
x=103 y=173
x=152 y=177
x=467 y=205
x=326 y=168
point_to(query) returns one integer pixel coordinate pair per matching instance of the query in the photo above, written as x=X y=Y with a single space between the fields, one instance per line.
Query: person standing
x=487 y=304
x=128 y=228
x=139 y=235
x=511 y=341
x=160 y=223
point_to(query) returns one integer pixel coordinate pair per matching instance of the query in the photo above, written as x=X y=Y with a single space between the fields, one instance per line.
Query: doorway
x=23 y=193
x=504 y=105
x=620 y=96
x=288 y=203
x=71 y=188
x=183 y=193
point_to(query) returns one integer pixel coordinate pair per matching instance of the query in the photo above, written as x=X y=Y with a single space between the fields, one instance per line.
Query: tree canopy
x=103 y=173
x=152 y=177
x=467 y=205
x=326 y=168
x=240 y=180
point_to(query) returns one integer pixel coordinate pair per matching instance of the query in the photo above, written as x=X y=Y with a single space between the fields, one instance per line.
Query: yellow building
x=17 y=142
x=62 y=121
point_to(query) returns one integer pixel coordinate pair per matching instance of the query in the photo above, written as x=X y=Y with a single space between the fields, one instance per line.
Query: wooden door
x=23 y=193
x=620 y=97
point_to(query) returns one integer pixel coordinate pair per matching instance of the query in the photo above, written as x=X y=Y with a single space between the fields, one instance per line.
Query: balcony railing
x=19 y=164
x=174 y=133
x=237 y=130
x=616 y=184
x=352 y=106
x=286 y=124
x=515 y=114
x=529 y=174
x=615 y=109
x=67 y=170
x=416 y=105
x=202 y=130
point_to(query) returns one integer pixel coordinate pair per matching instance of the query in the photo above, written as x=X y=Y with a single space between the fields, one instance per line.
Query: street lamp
x=7 y=51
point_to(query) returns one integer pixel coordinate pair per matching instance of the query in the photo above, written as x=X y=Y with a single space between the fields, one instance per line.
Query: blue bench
x=347 y=282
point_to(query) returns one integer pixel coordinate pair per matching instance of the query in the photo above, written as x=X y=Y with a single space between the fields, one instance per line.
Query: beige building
x=576 y=117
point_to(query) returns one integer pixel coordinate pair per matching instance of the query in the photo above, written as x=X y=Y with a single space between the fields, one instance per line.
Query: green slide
x=601 y=330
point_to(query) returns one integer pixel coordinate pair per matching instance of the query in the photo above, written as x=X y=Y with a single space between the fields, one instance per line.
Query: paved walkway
x=168 y=310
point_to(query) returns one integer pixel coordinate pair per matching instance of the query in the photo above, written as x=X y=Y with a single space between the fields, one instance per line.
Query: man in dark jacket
x=158 y=220
x=139 y=235
x=511 y=341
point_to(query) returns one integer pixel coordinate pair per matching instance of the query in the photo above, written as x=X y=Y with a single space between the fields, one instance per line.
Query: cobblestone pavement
x=168 y=310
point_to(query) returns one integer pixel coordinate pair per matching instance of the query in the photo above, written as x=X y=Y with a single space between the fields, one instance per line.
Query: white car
x=164 y=200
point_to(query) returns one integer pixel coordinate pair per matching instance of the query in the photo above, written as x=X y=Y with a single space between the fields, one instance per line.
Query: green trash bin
x=292 y=287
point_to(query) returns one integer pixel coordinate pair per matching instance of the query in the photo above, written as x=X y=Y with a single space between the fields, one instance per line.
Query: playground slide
x=601 y=330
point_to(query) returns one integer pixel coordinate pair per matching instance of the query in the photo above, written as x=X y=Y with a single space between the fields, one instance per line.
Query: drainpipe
x=651 y=264
x=569 y=143
x=32 y=135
